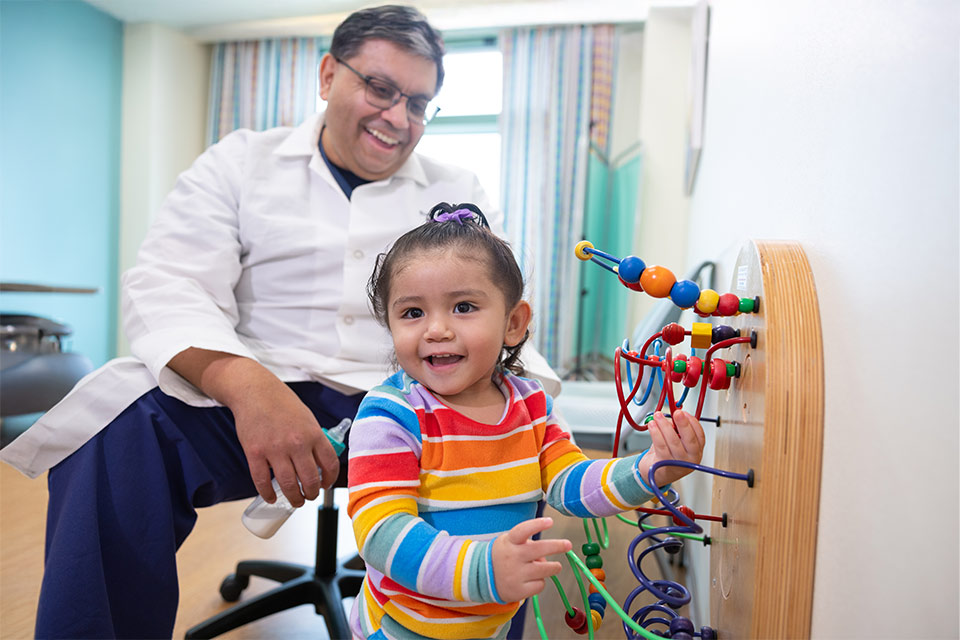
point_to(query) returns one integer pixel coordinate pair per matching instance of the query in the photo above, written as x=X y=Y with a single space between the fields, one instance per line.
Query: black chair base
x=323 y=586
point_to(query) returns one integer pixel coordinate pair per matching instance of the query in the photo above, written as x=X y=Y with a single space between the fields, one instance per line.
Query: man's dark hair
x=404 y=26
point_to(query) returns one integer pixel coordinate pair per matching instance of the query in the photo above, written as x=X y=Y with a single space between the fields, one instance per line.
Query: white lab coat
x=257 y=252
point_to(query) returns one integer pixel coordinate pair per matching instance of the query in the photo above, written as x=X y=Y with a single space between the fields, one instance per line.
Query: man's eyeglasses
x=383 y=95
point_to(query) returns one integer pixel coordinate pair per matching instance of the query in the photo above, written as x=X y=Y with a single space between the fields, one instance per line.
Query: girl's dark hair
x=404 y=26
x=450 y=226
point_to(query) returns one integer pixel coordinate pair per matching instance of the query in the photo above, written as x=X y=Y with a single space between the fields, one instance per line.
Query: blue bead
x=630 y=269
x=596 y=601
x=685 y=293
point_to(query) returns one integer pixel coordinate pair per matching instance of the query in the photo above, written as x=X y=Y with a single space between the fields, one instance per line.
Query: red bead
x=577 y=621
x=692 y=375
x=673 y=333
x=657 y=281
x=630 y=285
x=685 y=510
x=718 y=375
x=729 y=305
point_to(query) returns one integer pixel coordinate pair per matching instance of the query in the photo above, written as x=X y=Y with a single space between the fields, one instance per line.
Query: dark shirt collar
x=347 y=180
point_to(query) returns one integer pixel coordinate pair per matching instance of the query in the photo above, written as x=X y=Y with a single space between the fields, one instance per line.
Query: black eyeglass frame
x=380 y=104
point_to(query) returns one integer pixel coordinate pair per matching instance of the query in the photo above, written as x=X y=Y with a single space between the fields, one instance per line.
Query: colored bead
x=596 y=600
x=685 y=293
x=723 y=332
x=746 y=305
x=599 y=574
x=681 y=624
x=630 y=269
x=728 y=305
x=591 y=588
x=707 y=302
x=577 y=621
x=580 y=249
x=596 y=618
x=593 y=562
x=685 y=510
x=590 y=548
x=692 y=375
x=718 y=374
x=707 y=633
x=700 y=335
x=657 y=281
x=630 y=285
x=679 y=366
x=672 y=333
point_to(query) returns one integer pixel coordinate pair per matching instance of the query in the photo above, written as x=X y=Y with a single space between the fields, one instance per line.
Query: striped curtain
x=557 y=96
x=261 y=84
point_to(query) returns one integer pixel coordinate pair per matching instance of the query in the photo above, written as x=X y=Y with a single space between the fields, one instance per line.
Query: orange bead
x=599 y=574
x=657 y=281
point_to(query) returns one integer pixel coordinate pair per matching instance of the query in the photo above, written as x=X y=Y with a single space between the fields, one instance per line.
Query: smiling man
x=247 y=316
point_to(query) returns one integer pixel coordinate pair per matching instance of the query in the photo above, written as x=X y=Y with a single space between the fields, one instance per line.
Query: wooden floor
x=219 y=541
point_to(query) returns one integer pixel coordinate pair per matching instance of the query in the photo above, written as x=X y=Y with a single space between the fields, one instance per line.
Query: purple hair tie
x=459 y=215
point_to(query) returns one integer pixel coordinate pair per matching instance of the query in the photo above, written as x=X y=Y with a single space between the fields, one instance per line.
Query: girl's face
x=449 y=321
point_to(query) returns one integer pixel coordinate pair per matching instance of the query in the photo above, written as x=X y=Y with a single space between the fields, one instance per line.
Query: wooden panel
x=762 y=563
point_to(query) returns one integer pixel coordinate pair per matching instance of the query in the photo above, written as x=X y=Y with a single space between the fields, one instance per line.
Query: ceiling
x=212 y=20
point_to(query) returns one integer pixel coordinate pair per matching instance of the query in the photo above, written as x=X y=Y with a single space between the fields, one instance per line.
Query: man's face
x=364 y=139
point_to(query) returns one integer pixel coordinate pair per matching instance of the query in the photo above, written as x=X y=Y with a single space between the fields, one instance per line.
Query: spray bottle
x=264 y=519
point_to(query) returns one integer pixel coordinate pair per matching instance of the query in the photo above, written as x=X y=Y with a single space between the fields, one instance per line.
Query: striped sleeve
x=383 y=478
x=583 y=488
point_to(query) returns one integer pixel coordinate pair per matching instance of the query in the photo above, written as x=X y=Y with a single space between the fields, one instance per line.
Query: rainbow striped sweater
x=430 y=489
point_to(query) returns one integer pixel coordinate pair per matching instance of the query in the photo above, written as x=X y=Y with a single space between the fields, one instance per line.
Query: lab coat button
x=358 y=254
x=347 y=319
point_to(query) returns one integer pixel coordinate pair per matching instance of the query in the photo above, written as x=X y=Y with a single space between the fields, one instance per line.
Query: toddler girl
x=450 y=455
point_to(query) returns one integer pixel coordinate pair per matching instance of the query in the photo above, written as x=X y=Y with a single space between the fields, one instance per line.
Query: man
x=247 y=315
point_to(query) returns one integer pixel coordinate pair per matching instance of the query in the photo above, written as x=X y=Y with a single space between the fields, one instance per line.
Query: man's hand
x=683 y=443
x=276 y=430
x=520 y=567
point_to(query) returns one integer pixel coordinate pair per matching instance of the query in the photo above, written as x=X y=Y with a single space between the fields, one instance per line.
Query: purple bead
x=707 y=633
x=684 y=293
x=723 y=332
x=630 y=269
x=680 y=625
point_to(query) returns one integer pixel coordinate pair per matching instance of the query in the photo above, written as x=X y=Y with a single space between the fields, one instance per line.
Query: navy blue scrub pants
x=121 y=506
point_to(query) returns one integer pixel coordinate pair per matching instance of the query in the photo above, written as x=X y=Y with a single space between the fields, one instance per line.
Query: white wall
x=836 y=124
x=662 y=215
x=165 y=87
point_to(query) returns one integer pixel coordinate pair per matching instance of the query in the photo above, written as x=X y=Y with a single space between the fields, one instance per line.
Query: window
x=465 y=131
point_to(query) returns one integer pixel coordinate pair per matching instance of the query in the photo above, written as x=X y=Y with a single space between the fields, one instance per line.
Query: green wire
x=563 y=596
x=579 y=565
x=571 y=556
x=688 y=536
x=538 y=618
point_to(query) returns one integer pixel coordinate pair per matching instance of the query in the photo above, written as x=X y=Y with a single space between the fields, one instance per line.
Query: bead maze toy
x=769 y=430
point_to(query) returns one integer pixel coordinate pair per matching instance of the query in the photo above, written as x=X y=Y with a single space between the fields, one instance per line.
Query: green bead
x=648 y=419
x=679 y=366
x=590 y=549
x=594 y=562
x=731 y=370
x=746 y=305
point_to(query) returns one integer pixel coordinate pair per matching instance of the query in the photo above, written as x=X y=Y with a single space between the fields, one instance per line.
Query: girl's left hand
x=683 y=443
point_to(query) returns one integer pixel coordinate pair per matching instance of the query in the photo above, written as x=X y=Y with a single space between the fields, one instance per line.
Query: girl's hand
x=683 y=443
x=520 y=567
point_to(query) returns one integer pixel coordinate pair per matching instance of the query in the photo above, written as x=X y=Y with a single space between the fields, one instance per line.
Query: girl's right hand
x=520 y=567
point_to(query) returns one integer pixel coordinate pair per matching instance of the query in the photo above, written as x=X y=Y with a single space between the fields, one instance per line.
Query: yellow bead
x=700 y=335
x=579 y=249
x=708 y=300
x=657 y=281
x=597 y=619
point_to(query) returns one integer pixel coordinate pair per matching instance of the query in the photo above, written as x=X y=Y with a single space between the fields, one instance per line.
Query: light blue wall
x=60 y=76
